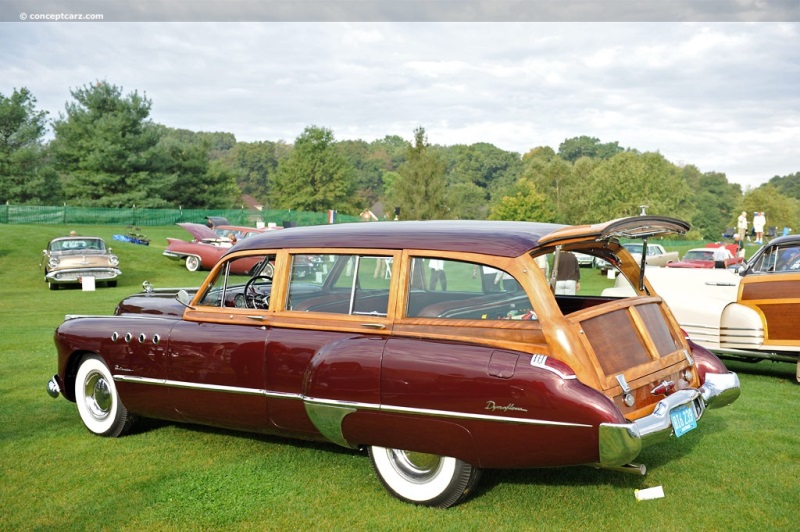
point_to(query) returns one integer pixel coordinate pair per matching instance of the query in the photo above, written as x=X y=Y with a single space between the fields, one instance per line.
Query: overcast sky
x=724 y=96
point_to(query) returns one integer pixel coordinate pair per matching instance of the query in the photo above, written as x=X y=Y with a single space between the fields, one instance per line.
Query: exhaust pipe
x=636 y=469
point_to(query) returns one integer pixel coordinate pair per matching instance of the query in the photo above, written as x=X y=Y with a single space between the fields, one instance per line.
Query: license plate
x=683 y=420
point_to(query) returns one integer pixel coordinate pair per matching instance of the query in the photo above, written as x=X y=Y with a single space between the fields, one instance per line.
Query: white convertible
x=750 y=315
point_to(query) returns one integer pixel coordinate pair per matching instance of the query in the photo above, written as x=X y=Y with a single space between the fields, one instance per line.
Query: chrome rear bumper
x=620 y=443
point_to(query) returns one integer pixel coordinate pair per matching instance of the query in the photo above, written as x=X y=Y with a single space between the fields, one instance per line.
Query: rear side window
x=340 y=284
x=451 y=289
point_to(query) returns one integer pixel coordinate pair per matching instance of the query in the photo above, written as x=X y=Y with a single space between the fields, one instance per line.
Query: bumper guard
x=620 y=443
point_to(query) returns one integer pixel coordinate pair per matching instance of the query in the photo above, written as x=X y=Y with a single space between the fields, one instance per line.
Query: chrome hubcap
x=98 y=396
x=415 y=467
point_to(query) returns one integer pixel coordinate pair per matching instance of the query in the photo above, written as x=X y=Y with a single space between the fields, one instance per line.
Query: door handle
x=373 y=325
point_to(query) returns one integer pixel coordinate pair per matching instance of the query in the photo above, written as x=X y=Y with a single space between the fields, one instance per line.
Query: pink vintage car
x=207 y=246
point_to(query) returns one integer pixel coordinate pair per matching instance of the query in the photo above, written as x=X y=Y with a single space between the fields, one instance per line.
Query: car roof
x=501 y=238
x=787 y=239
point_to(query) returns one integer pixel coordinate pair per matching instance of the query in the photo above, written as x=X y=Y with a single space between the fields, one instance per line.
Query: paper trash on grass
x=649 y=493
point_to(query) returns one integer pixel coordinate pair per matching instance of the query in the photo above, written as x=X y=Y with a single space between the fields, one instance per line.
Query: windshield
x=697 y=254
x=78 y=244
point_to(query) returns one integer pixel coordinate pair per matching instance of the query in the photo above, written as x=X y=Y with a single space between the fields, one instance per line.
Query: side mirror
x=183 y=297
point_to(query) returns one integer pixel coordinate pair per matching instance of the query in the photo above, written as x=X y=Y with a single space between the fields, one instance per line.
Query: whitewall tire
x=98 y=401
x=424 y=479
x=192 y=263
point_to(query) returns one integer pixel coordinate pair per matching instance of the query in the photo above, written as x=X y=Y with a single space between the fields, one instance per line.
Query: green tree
x=466 y=201
x=314 y=177
x=420 y=187
x=368 y=170
x=254 y=164
x=185 y=160
x=554 y=179
x=25 y=176
x=716 y=202
x=788 y=185
x=523 y=203
x=106 y=149
x=573 y=149
x=629 y=180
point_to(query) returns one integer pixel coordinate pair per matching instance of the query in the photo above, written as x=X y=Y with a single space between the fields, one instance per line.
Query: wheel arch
x=71 y=371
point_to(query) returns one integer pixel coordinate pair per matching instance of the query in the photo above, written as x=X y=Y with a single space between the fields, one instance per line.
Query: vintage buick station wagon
x=438 y=347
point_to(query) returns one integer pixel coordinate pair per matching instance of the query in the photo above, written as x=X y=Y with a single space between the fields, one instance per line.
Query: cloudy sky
x=724 y=96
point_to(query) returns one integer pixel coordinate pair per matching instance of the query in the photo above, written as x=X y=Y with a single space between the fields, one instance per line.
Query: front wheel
x=98 y=402
x=425 y=479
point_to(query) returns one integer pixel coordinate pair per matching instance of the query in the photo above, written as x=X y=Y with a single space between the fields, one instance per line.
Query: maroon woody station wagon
x=439 y=347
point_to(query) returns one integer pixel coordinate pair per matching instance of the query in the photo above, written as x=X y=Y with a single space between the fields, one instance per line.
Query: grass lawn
x=740 y=470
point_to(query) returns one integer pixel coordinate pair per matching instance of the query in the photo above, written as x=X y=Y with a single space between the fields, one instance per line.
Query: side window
x=778 y=259
x=766 y=262
x=788 y=259
x=340 y=284
x=444 y=288
x=244 y=282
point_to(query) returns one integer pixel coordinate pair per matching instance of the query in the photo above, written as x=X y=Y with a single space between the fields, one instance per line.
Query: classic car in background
x=704 y=257
x=398 y=346
x=751 y=315
x=656 y=255
x=207 y=246
x=584 y=259
x=70 y=259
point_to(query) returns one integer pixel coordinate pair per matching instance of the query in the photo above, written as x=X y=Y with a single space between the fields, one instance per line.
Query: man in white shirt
x=759 y=221
x=721 y=256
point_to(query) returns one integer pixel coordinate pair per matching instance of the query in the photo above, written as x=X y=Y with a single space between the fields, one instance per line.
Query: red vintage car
x=439 y=348
x=704 y=257
x=207 y=246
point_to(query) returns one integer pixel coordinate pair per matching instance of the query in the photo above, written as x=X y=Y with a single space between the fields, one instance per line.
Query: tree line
x=105 y=151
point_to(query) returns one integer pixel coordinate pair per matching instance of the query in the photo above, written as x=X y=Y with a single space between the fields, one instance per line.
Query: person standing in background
x=741 y=225
x=437 y=274
x=568 y=276
x=759 y=221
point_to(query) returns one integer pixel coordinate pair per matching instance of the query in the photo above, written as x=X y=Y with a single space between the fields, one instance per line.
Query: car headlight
x=52 y=263
x=113 y=260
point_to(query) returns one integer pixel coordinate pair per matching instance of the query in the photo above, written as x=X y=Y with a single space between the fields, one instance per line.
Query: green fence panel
x=63 y=215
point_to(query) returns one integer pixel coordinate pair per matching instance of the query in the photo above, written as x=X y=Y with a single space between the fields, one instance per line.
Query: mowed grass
x=740 y=470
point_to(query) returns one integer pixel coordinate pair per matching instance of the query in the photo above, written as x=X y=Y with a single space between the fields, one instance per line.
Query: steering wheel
x=254 y=298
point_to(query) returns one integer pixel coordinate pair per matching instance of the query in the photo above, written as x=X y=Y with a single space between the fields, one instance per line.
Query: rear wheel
x=425 y=479
x=98 y=402
x=192 y=263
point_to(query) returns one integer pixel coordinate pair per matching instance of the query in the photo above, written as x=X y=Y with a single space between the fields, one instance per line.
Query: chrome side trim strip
x=205 y=387
x=481 y=417
x=342 y=404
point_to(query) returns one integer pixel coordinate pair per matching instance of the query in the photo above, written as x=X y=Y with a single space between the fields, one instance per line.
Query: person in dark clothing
x=568 y=276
